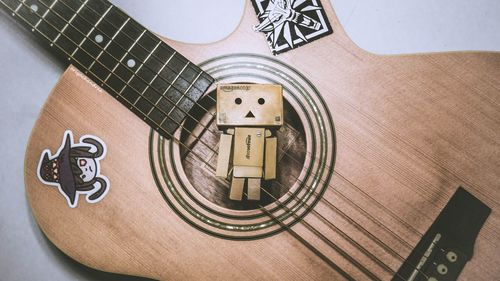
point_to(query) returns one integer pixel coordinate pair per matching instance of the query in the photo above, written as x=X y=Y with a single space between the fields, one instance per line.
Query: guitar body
x=408 y=131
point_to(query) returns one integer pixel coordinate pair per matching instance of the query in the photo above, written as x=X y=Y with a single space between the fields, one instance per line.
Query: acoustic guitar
x=387 y=166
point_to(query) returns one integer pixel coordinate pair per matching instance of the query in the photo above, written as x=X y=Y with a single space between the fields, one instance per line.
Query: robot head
x=253 y=105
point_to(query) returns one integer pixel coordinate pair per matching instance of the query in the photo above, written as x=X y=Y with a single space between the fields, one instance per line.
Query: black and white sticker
x=75 y=168
x=288 y=24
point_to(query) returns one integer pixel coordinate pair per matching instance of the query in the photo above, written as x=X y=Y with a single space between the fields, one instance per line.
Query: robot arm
x=223 y=158
x=270 y=156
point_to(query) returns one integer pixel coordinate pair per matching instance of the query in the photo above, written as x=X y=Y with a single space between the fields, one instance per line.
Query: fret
x=51 y=17
x=93 y=28
x=148 y=44
x=113 y=22
x=162 y=107
x=189 y=75
x=177 y=115
x=133 y=88
x=124 y=55
x=53 y=21
x=173 y=109
x=45 y=13
x=153 y=81
x=166 y=62
x=127 y=38
x=168 y=75
x=192 y=83
x=144 y=104
x=179 y=75
x=134 y=75
x=34 y=10
x=28 y=13
x=127 y=60
x=62 y=18
x=163 y=101
x=18 y=7
x=164 y=54
x=129 y=81
x=69 y=21
x=126 y=48
x=144 y=75
x=172 y=93
x=145 y=61
x=185 y=107
x=18 y=11
x=105 y=47
x=175 y=65
x=150 y=54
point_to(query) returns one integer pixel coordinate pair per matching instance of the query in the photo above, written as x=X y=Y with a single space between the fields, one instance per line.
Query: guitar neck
x=128 y=61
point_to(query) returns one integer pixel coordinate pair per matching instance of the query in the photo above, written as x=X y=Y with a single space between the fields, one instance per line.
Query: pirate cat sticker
x=75 y=169
x=288 y=24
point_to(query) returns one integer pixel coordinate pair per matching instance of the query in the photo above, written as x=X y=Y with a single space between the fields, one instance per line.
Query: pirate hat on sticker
x=58 y=170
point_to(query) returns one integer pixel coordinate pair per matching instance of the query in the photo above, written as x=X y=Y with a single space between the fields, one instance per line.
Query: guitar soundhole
x=203 y=140
x=184 y=168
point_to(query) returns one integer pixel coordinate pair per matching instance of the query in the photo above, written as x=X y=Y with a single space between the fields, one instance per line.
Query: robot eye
x=82 y=162
x=237 y=101
x=261 y=101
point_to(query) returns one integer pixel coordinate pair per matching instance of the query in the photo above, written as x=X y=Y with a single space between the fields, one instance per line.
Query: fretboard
x=128 y=61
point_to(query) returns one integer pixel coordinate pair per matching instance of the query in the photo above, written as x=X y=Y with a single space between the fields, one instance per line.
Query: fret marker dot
x=99 y=38
x=131 y=63
x=34 y=8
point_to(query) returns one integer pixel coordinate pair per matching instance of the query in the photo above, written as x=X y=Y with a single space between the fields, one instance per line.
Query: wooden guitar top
x=409 y=130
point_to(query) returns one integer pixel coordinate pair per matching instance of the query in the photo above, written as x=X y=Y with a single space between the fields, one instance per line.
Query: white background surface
x=27 y=74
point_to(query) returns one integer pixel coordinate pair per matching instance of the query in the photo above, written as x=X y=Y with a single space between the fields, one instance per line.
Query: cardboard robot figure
x=248 y=115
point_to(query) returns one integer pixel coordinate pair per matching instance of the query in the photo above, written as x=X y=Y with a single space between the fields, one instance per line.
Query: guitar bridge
x=446 y=247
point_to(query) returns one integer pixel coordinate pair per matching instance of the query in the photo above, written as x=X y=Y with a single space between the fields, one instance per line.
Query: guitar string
x=334 y=246
x=138 y=43
x=366 y=195
x=293 y=158
x=209 y=112
x=49 y=40
x=306 y=243
x=148 y=84
x=70 y=39
x=330 y=262
x=367 y=253
x=134 y=73
x=84 y=67
x=61 y=17
x=344 y=197
x=202 y=107
x=344 y=235
x=75 y=60
x=328 y=202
